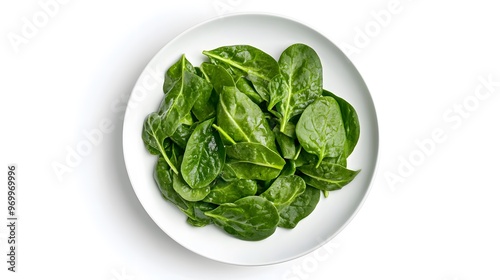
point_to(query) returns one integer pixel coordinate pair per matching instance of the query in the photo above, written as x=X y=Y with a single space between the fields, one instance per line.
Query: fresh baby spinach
x=327 y=176
x=350 y=121
x=179 y=101
x=248 y=61
x=187 y=192
x=250 y=218
x=227 y=192
x=284 y=190
x=242 y=119
x=320 y=130
x=204 y=156
x=248 y=143
x=300 y=82
x=300 y=208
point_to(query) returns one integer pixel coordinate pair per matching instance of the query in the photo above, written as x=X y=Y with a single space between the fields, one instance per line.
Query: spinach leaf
x=255 y=154
x=181 y=135
x=205 y=106
x=301 y=82
x=290 y=130
x=196 y=213
x=164 y=178
x=258 y=66
x=284 y=191
x=327 y=176
x=320 y=130
x=179 y=101
x=250 y=171
x=286 y=144
x=204 y=156
x=250 y=218
x=242 y=119
x=300 y=208
x=245 y=87
x=228 y=174
x=289 y=168
x=153 y=137
x=186 y=192
x=175 y=72
x=226 y=192
x=217 y=76
x=350 y=121
x=305 y=158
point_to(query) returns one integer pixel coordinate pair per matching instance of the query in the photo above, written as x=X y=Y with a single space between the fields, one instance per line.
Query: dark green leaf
x=154 y=137
x=300 y=208
x=196 y=213
x=305 y=158
x=179 y=101
x=327 y=176
x=242 y=119
x=286 y=144
x=245 y=87
x=164 y=178
x=204 y=156
x=188 y=193
x=181 y=135
x=250 y=171
x=227 y=192
x=261 y=162
x=250 y=218
x=289 y=168
x=217 y=76
x=284 y=191
x=350 y=121
x=174 y=73
x=320 y=130
x=302 y=81
x=258 y=66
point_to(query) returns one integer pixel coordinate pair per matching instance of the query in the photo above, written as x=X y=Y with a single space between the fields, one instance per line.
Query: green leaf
x=327 y=176
x=350 y=121
x=164 y=178
x=227 y=192
x=246 y=88
x=196 y=213
x=217 y=76
x=258 y=66
x=182 y=134
x=154 y=136
x=186 y=192
x=175 y=72
x=179 y=101
x=242 y=119
x=300 y=84
x=286 y=144
x=204 y=156
x=256 y=154
x=320 y=130
x=300 y=208
x=250 y=218
x=284 y=190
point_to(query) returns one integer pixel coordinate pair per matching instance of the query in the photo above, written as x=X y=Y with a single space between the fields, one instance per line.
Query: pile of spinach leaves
x=246 y=142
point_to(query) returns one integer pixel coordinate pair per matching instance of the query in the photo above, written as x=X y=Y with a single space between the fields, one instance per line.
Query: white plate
x=272 y=34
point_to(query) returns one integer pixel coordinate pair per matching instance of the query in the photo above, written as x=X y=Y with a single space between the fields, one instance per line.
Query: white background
x=438 y=217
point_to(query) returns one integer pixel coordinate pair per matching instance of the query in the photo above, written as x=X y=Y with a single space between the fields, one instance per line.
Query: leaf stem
x=223 y=133
x=164 y=154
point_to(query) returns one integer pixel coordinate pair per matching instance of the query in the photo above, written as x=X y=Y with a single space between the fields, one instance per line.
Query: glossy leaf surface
x=320 y=130
x=250 y=218
x=204 y=156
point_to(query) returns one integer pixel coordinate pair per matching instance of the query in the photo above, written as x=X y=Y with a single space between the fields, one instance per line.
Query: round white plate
x=271 y=34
